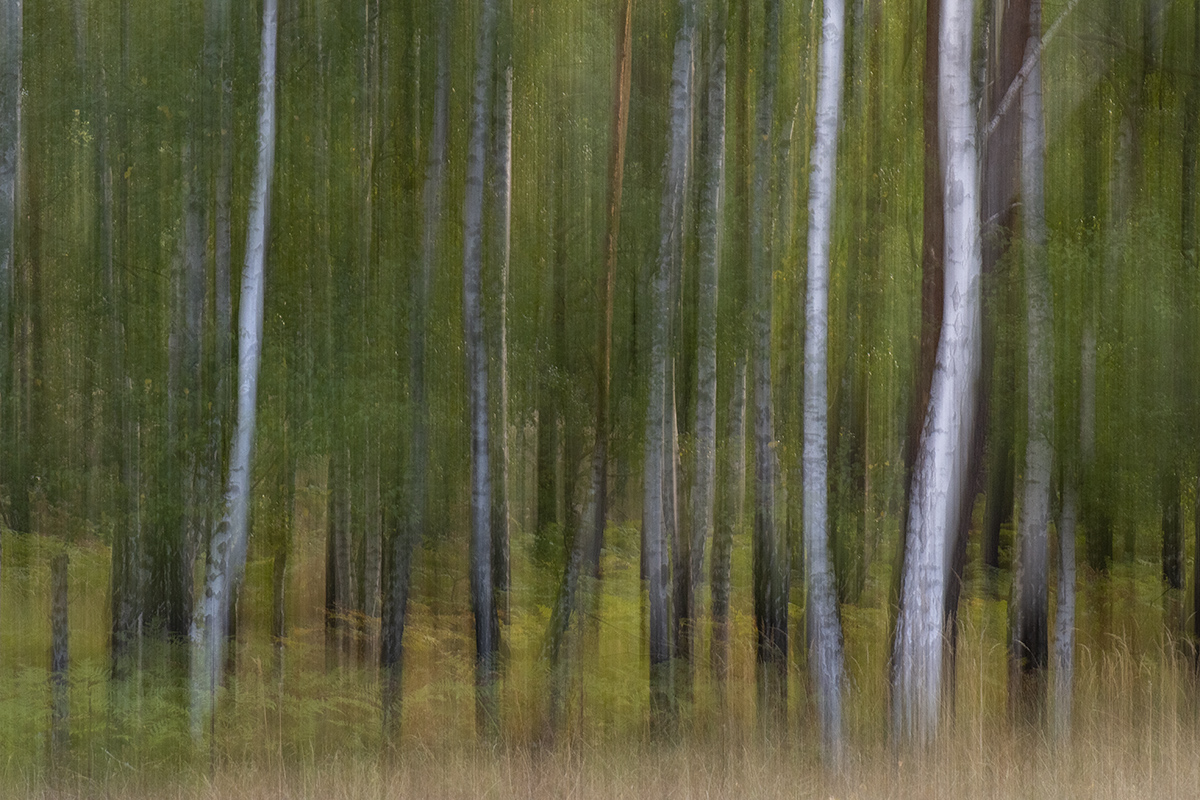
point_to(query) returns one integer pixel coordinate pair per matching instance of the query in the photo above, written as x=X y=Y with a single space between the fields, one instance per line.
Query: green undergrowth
x=291 y=718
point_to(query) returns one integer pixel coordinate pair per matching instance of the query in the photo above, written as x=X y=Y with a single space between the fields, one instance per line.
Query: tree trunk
x=483 y=604
x=1006 y=49
x=824 y=628
x=126 y=589
x=612 y=222
x=770 y=585
x=339 y=576
x=1064 y=614
x=11 y=27
x=940 y=469
x=1028 y=648
x=712 y=210
x=733 y=497
x=227 y=556
x=658 y=443
x=60 y=662
x=1191 y=245
x=500 y=224
x=405 y=528
x=587 y=544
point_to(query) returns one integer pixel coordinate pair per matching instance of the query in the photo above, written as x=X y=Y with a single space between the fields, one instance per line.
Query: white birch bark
x=482 y=599
x=227 y=555
x=1028 y=645
x=824 y=628
x=1064 y=615
x=940 y=471
x=658 y=446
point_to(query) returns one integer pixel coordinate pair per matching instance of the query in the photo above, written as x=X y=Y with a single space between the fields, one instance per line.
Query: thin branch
x=1014 y=88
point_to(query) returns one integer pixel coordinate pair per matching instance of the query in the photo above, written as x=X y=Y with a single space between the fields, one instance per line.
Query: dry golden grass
x=316 y=734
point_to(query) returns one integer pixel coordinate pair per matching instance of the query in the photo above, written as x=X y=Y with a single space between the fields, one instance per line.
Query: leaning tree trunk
x=658 y=442
x=227 y=554
x=406 y=527
x=483 y=603
x=824 y=628
x=10 y=149
x=940 y=469
x=1028 y=647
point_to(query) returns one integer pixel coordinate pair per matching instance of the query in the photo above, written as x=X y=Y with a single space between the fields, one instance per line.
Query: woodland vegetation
x=605 y=397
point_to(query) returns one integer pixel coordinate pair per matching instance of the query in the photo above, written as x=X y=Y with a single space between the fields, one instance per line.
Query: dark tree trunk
x=60 y=662
x=404 y=527
x=770 y=566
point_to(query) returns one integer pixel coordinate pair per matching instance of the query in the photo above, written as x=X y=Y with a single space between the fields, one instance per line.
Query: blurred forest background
x=494 y=235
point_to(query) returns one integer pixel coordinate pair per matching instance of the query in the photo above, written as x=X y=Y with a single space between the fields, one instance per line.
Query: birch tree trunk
x=1028 y=648
x=711 y=212
x=658 y=442
x=483 y=604
x=733 y=497
x=500 y=168
x=405 y=532
x=11 y=28
x=940 y=469
x=227 y=554
x=1064 y=613
x=826 y=665
x=770 y=592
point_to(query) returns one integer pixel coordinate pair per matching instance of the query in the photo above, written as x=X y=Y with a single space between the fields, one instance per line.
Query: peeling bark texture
x=483 y=606
x=1028 y=646
x=658 y=441
x=940 y=473
x=227 y=554
x=826 y=660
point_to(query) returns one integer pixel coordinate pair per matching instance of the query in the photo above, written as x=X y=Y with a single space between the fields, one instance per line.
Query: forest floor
x=1157 y=765
x=303 y=722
